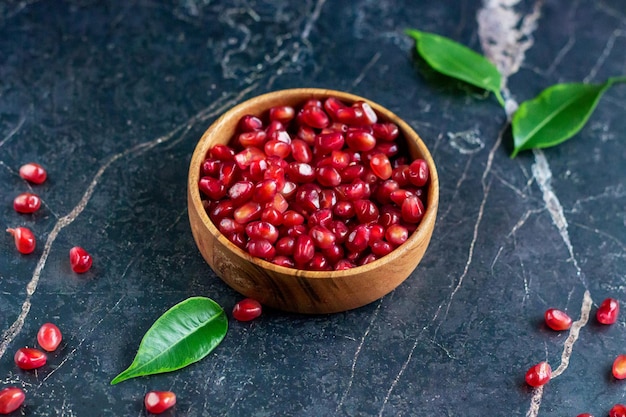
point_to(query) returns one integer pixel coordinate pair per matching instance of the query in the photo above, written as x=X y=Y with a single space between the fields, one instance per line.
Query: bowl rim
x=424 y=228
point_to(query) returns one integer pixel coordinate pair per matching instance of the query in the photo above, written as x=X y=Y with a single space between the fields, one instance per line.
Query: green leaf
x=458 y=61
x=183 y=335
x=557 y=114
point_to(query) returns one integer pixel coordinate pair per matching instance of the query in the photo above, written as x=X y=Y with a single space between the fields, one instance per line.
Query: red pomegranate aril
x=24 y=238
x=247 y=309
x=357 y=190
x=328 y=176
x=304 y=249
x=228 y=226
x=295 y=231
x=369 y=115
x=272 y=216
x=321 y=217
x=412 y=210
x=241 y=192
x=80 y=260
x=49 y=337
x=339 y=160
x=396 y=234
x=212 y=188
x=344 y=209
x=262 y=230
x=308 y=197
x=352 y=172
x=285 y=246
x=369 y=258
x=292 y=218
x=248 y=212
x=283 y=114
x=222 y=153
x=249 y=123
x=318 y=263
x=418 y=172
x=30 y=358
x=265 y=191
x=385 y=131
x=619 y=367
x=33 y=173
x=539 y=374
x=255 y=138
x=325 y=143
x=228 y=173
x=300 y=151
x=322 y=237
x=389 y=149
x=349 y=115
x=239 y=239
x=224 y=208
x=358 y=240
x=289 y=190
x=274 y=127
x=584 y=415
x=261 y=248
x=211 y=167
x=332 y=104
x=618 y=410
x=277 y=148
x=256 y=170
x=285 y=261
x=608 y=311
x=328 y=199
x=344 y=264
x=398 y=196
x=366 y=211
x=248 y=155
x=401 y=175
x=314 y=117
x=381 y=166
x=384 y=190
x=27 y=203
x=333 y=253
x=307 y=134
x=157 y=402
x=300 y=172
x=11 y=398
x=369 y=177
x=389 y=215
x=381 y=248
x=359 y=140
x=557 y=320
x=377 y=232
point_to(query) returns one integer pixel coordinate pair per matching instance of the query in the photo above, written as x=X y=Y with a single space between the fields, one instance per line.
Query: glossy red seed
x=250 y=123
x=381 y=248
x=247 y=309
x=33 y=173
x=262 y=230
x=368 y=259
x=157 y=402
x=314 y=117
x=24 y=238
x=332 y=104
x=29 y=358
x=325 y=143
x=360 y=141
x=272 y=216
x=222 y=153
x=557 y=319
x=539 y=374
x=396 y=234
x=285 y=261
x=349 y=115
x=49 y=337
x=229 y=172
x=358 y=240
x=389 y=215
x=366 y=211
x=241 y=192
x=248 y=156
x=418 y=172
x=333 y=253
x=344 y=264
x=292 y=218
x=283 y=114
x=412 y=210
x=608 y=311
x=11 y=398
x=300 y=151
x=228 y=226
x=304 y=249
x=619 y=367
x=265 y=191
x=385 y=131
x=224 y=208
x=328 y=199
x=344 y=209
x=248 y=212
x=322 y=217
x=255 y=138
x=584 y=415
x=285 y=246
x=380 y=165
x=261 y=248
x=238 y=238
x=322 y=237
x=328 y=176
x=80 y=260
x=352 y=173
x=27 y=203
x=318 y=263
x=618 y=410
x=212 y=188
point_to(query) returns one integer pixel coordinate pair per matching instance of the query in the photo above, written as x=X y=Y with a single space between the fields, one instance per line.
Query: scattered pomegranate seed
x=33 y=173
x=247 y=309
x=49 y=337
x=321 y=186
x=608 y=311
x=30 y=358
x=619 y=367
x=11 y=398
x=557 y=319
x=618 y=410
x=24 y=239
x=539 y=374
x=27 y=203
x=80 y=260
x=584 y=415
x=157 y=402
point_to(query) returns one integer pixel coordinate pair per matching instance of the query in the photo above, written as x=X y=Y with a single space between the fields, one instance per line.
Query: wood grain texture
x=294 y=290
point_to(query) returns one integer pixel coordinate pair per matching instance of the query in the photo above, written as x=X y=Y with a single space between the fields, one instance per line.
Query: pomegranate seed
x=398 y=196
x=352 y=172
x=400 y=175
x=241 y=192
x=385 y=131
x=238 y=238
x=295 y=231
x=24 y=239
x=557 y=319
x=333 y=253
x=285 y=261
x=389 y=149
x=328 y=199
x=339 y=160
x=307 y=134
x=381 y=248
x=325 y=143
x=377 y=232
x=619 y=367
x=332 y=104
x=157 y=402
x=340 y=230
x=250 y=123
x=366 y=211
x=210 y=167
x=274 y=127
x=301 y=151
x=418 y=172
x=344 y=209
x=584 y=415
x=80 y=260
x=30 y=358
x=283 y=114
x=228 y=173
x=11 y=398
x=322 y=237
x=247 y=309
x=228 y=226
x=608 y=311
x=292 y=218
x=314 y=117
x=212 y=188
x=27 y=203
x=381 y=166
x=300 y=172
x=343 y=265
x=358 y=240
x=396 y=234
x=222 y=209
x=369 y=115
x=360 y=141
x=318 y=263
x=248 y=212
x=308 y=197
x=383 y=192
x=33 y=173
x=285 y=246
x=261 y=248
x=265 y=191
x=412 y=210
x=539 y=374
x=368 y=259
x=304 y=249
x=248 y=156
x=322 y=217
x=618 y=410
x=349 y=115
x=277 y=148
x=289 y=189
x=262 y=230
x=272 y=216
x=328 y=176
x=222 y=153
x=49 y=337
x=255 y=138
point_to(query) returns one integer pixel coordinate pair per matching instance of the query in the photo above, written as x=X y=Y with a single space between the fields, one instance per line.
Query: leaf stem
x=500 y=98
x=616 y=80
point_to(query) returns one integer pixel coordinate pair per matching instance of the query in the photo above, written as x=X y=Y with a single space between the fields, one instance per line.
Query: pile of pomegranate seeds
x=322 y=187
x=157 y=402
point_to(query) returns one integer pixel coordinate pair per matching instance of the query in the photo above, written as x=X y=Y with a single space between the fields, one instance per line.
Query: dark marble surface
x=112 y=96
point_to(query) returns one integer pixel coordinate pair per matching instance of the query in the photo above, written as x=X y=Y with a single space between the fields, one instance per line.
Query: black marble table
x=111 y=97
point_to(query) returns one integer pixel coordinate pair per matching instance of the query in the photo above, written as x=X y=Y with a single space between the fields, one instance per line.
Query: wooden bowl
x=299 y=290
